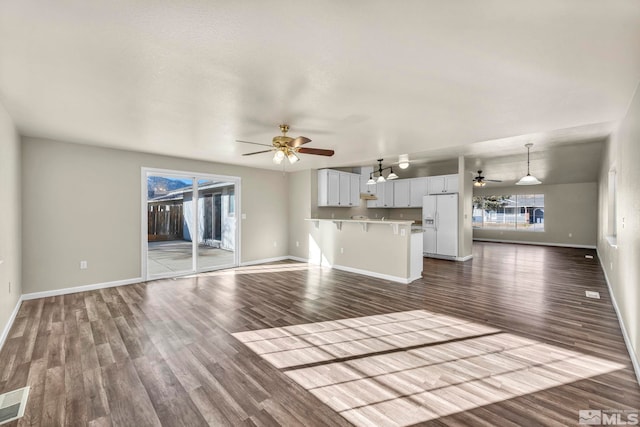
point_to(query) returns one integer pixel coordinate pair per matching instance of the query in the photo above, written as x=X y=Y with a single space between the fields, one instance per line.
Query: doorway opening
x=189 y=223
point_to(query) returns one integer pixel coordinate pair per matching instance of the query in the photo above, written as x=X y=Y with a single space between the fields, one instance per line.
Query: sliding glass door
x=190 y=223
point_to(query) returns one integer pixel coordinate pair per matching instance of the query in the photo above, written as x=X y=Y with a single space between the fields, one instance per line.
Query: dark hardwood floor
x=507 y=338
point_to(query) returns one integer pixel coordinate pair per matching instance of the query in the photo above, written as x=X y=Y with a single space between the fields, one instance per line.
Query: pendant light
x=528 y=179
x=380 y=179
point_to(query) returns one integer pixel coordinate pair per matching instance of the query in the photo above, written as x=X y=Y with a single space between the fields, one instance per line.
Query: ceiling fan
x=481 y=181
x=285 y=146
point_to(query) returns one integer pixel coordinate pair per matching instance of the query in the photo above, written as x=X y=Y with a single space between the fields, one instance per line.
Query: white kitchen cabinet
x=387 y=197
x=419 y=189
x=354 y=190
x=344 y=191
x=402 y=193
x=337 y=188
x=443 y=184
x=384 y=193
x=379 y=191
x=373 y=190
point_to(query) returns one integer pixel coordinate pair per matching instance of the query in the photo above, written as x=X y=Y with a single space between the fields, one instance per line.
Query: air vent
x=592 y=294
x=588 y=256
x=12 y=404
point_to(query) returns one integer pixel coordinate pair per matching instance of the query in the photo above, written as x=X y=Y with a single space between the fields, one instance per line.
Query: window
x=232 y=203
x=523 y=212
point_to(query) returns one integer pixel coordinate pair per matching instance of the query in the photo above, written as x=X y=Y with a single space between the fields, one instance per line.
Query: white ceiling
x=368 y=79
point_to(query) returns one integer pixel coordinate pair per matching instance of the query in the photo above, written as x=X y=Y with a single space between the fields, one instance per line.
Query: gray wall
x=9 y=218
x=299 y=209
x=568 y=208
x=622 y=263
x=84 y=203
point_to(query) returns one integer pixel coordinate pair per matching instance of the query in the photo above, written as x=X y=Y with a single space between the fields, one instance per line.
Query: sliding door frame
x=195 y=177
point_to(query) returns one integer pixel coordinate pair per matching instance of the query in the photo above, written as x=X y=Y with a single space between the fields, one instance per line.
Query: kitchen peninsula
x=386 y=249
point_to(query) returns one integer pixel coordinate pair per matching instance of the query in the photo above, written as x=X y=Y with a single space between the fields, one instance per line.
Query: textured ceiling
x=434 y=79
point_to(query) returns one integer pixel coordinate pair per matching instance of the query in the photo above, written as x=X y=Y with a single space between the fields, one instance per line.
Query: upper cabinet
x=402 y=193
x=337 y=188
x=419 y=189
x=443 y=184
x=384 y=193
x=342 y=189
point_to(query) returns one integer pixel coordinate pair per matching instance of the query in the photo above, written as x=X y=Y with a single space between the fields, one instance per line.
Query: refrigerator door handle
x=437 y=220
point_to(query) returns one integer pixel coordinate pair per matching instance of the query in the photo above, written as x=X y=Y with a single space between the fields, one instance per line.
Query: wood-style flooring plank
x=165 y=353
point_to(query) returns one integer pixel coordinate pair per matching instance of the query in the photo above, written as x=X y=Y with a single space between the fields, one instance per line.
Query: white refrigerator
x=440 y=225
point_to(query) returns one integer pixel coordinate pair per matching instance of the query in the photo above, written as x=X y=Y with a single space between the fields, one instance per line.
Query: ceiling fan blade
x=257 y=152
x=299 y=141
x=254 y=143
x=316 y=151
x=493 y=180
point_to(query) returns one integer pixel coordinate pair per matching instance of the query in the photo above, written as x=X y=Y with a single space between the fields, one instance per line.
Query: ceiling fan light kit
x=528 y=179
x=380 y=179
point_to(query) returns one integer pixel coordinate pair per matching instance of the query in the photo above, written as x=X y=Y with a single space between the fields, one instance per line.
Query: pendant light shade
x=528 y=179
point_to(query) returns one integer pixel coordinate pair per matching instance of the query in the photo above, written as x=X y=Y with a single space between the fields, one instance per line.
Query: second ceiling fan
x=481 y=181
x=284 y=146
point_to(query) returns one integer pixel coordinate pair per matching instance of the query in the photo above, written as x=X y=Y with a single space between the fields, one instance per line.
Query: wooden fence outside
x=164 y=219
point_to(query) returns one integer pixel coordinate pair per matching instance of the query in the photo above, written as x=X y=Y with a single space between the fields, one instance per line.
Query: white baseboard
x=64 y=291
x=263 y=261
x=358 y=271
x=12 y=318
x=625 y=335
x=295 y=258
x=371 y=274
x=562 y=245
x=447 y=257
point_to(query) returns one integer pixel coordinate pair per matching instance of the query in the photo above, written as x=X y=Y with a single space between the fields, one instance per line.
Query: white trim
x=12 y=318
x=264 y=261
x=563 y=245
x=295 y=258
x=371 y=274
x=464 y=258
x=84 y=288
x=634 y=359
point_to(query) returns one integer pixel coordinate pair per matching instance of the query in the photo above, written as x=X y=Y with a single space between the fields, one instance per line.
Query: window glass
x=520 y=212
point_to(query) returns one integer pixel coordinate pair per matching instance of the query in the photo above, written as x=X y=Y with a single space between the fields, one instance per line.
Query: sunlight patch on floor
x=403 y=368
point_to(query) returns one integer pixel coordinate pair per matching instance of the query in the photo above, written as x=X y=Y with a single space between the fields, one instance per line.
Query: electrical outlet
x=297 y=244
x=341 y=250
x=401 y=216
x=83 y=265
x=243 y=216
x=570 y=234
x=333 y=215
x=275 y=244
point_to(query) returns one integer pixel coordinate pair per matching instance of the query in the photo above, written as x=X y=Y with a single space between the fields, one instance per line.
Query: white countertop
x=368 y=221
